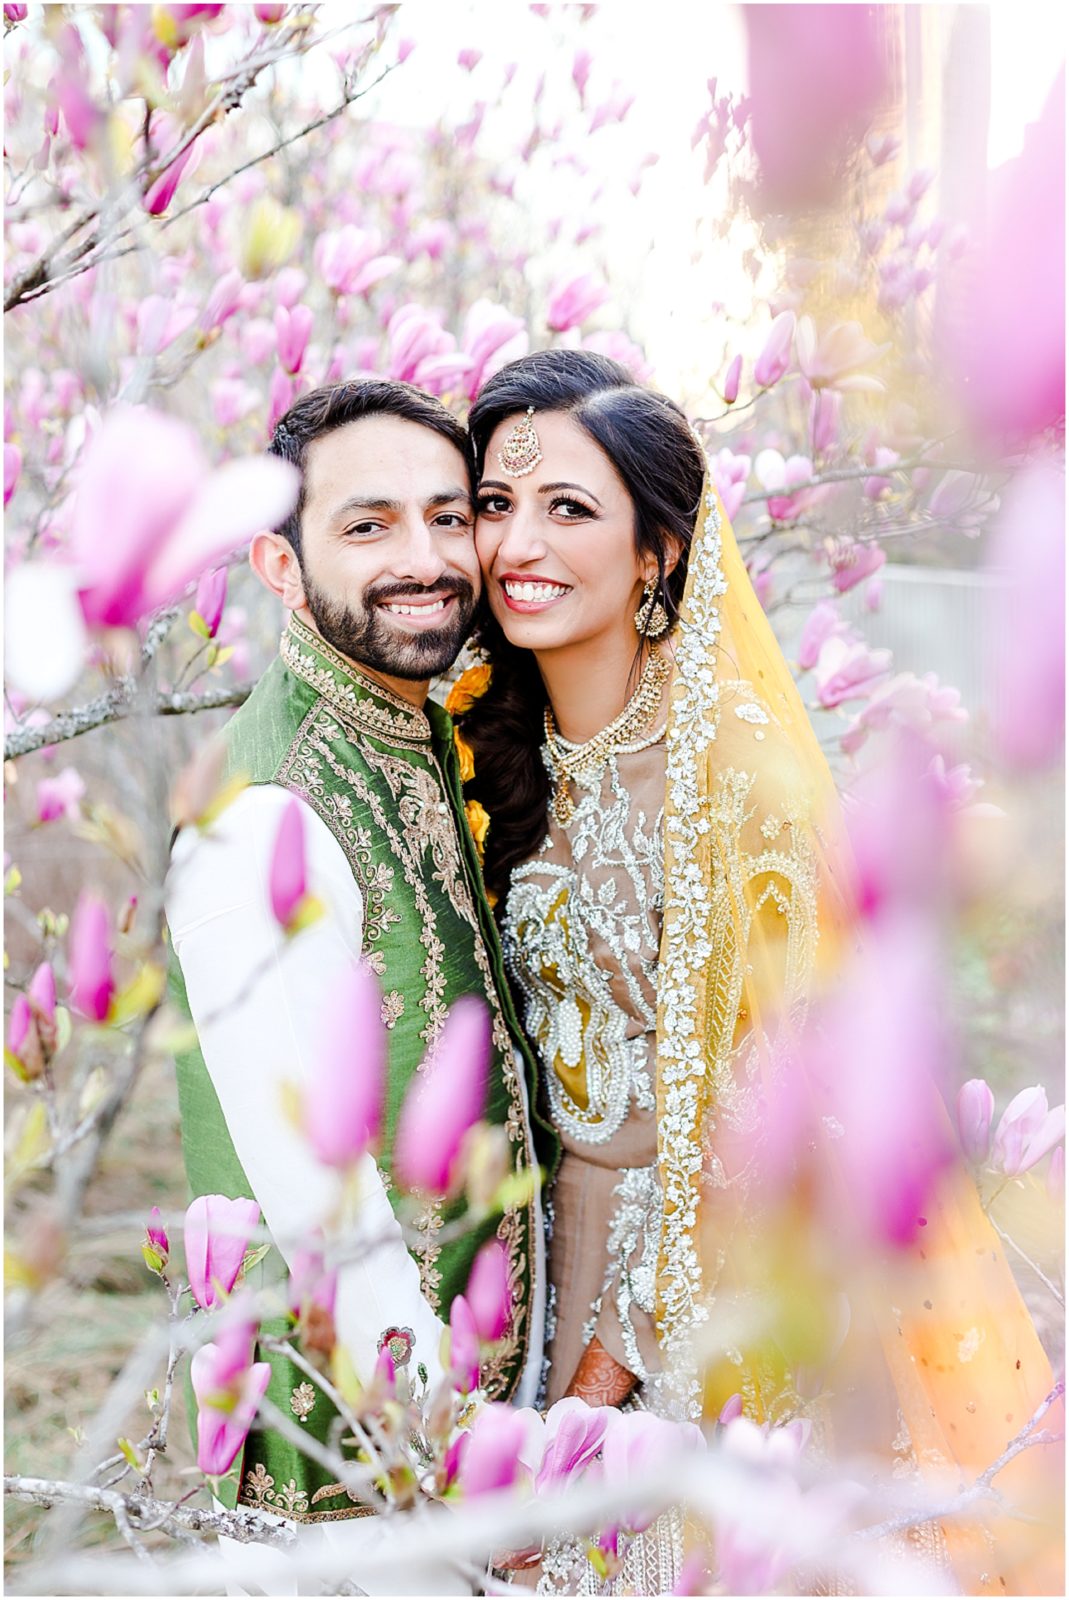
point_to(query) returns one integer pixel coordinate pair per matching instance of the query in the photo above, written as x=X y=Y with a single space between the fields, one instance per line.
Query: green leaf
x=198 y=624
x=130 y=1453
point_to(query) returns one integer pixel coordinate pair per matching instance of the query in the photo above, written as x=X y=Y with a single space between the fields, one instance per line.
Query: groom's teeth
x=535 y=592
x=415 y=611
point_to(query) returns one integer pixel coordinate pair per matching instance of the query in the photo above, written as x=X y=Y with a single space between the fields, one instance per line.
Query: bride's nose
x=522 y=539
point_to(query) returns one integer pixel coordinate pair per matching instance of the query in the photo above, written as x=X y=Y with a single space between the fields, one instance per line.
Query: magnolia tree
x=195 y=237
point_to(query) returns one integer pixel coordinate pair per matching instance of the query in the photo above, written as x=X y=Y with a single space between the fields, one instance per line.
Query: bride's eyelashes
x=567 y=506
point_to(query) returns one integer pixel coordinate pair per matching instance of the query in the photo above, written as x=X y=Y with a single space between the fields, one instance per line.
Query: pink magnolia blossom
x=150 y=514
x=210 y=599
x=15 y=13
x=311 y=1283
x=899 y=822
x=491 y=1458
x=469 y=59
x=846 y=669
x=160 y=322
x=729 y=474
x=289 y=286
x=776 y=474
x=574 y=1435
x=489 y=1293
x=288 y=878
x=257 y=340
x=956 y=786
x=775 y=358
x=878 y=486
x=350 y=259
x=268 y=14
x=89 y=958
x=232 y=400
x=60 y=796
x=156 y=1233
x=1028 y=643
x=226 y=1407
x=882 y=148
x=731 y=1409
x=614 y=109
x=216 y=1233
x=491 y=338
x=22 y=1039
x=41 y=994
x=731 y=381
x=12 y=469
x=463 y=1341
x=176 y=24
x=343 y=1102
x=832 y=360
x=905 y=701
x=581 y=65
x=823 y=622
x=618 y=347
x=414 y=335
x=292 y=332
x=573 y=300
x=445 y=1099
x=824 y=420
x=976 y=1106
x=70 y=85
x=281 y=394
x=1027 y=1131
x=636 y=1446
x=159 y=194
x=817 y=75
x=853 y=562
x=223 y=300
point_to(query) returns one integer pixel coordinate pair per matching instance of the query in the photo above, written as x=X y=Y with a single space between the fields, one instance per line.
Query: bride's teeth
x=415 y=611
x=535 y=592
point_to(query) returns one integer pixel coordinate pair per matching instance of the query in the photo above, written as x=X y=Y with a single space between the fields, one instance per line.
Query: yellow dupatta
x=756 y=920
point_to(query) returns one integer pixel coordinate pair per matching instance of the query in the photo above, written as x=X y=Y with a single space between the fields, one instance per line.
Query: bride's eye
x=573 y=510
x=489 y=505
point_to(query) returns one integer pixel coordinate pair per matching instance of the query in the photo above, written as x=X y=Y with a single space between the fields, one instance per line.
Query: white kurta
x=258 y=1000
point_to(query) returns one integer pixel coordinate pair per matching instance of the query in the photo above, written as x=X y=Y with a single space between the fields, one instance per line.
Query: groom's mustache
x=411 y=591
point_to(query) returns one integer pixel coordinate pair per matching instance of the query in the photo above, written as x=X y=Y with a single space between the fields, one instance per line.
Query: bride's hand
x=599 y=1379
x=517 y=1560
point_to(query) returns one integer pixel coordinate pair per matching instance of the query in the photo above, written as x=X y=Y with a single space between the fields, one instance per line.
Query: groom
x=377 y=569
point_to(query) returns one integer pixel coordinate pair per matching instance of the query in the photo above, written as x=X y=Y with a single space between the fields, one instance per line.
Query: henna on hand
x=599 y=1379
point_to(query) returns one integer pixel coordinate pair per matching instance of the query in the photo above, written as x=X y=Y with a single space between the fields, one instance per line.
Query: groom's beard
x=369 y=636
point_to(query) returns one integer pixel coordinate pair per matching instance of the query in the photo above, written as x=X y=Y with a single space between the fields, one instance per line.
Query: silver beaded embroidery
x=553 y=915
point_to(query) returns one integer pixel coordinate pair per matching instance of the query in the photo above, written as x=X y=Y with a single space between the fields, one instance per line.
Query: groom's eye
x=362 y=529
x=453 y=519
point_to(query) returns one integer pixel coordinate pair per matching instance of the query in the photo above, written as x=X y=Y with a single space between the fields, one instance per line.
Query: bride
x=663 y=850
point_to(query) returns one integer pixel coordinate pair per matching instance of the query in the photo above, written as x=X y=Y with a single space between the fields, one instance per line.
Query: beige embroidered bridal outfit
x=582 y=930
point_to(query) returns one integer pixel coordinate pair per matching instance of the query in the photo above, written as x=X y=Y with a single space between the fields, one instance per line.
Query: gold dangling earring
x=651 y=619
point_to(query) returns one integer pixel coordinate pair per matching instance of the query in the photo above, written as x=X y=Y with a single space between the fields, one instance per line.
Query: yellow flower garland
x=469 y=687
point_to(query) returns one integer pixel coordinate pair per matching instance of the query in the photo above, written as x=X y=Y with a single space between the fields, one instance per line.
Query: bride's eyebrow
x=491 y=483
x=550 y=488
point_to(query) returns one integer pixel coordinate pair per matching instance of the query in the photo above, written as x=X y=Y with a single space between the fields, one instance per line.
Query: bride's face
x=557 y=546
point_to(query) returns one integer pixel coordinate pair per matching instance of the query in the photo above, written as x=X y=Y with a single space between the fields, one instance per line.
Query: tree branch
x=145 y=1514
x=115 y=705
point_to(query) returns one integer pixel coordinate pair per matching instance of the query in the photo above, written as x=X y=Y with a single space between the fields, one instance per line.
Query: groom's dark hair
x=335 y=404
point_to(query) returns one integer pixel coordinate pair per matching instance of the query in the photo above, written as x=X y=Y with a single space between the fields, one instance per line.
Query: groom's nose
x=418 y=556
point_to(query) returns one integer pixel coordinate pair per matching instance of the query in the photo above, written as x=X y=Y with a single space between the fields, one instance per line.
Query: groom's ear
x=274 y=561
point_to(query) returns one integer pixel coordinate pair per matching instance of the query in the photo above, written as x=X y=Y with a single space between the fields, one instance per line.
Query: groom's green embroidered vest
x=384 y=778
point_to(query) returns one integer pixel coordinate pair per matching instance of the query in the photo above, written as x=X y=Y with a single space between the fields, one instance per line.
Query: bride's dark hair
x=650 y=443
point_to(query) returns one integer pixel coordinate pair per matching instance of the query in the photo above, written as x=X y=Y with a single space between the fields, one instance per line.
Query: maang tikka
x=521 y=449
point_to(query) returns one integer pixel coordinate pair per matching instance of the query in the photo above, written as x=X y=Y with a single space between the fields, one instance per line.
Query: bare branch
x=144 y=1514
x=115 y=705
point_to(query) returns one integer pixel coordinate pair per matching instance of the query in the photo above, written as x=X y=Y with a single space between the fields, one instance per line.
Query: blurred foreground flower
x=217 y=1230
x=488 y=1293
x=976 y=1105
x=444 y=1100
x=817 y=75
x=1028 y=617
x=150 y=514
x=342 y=1104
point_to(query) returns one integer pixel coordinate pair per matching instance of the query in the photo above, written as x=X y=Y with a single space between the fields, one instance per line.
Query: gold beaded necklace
x=574 y=761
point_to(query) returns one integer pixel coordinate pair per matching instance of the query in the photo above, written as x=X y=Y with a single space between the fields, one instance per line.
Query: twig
x=114 y=706
x=284 y=1347
x=1027 y=1259
x=145 y=1513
